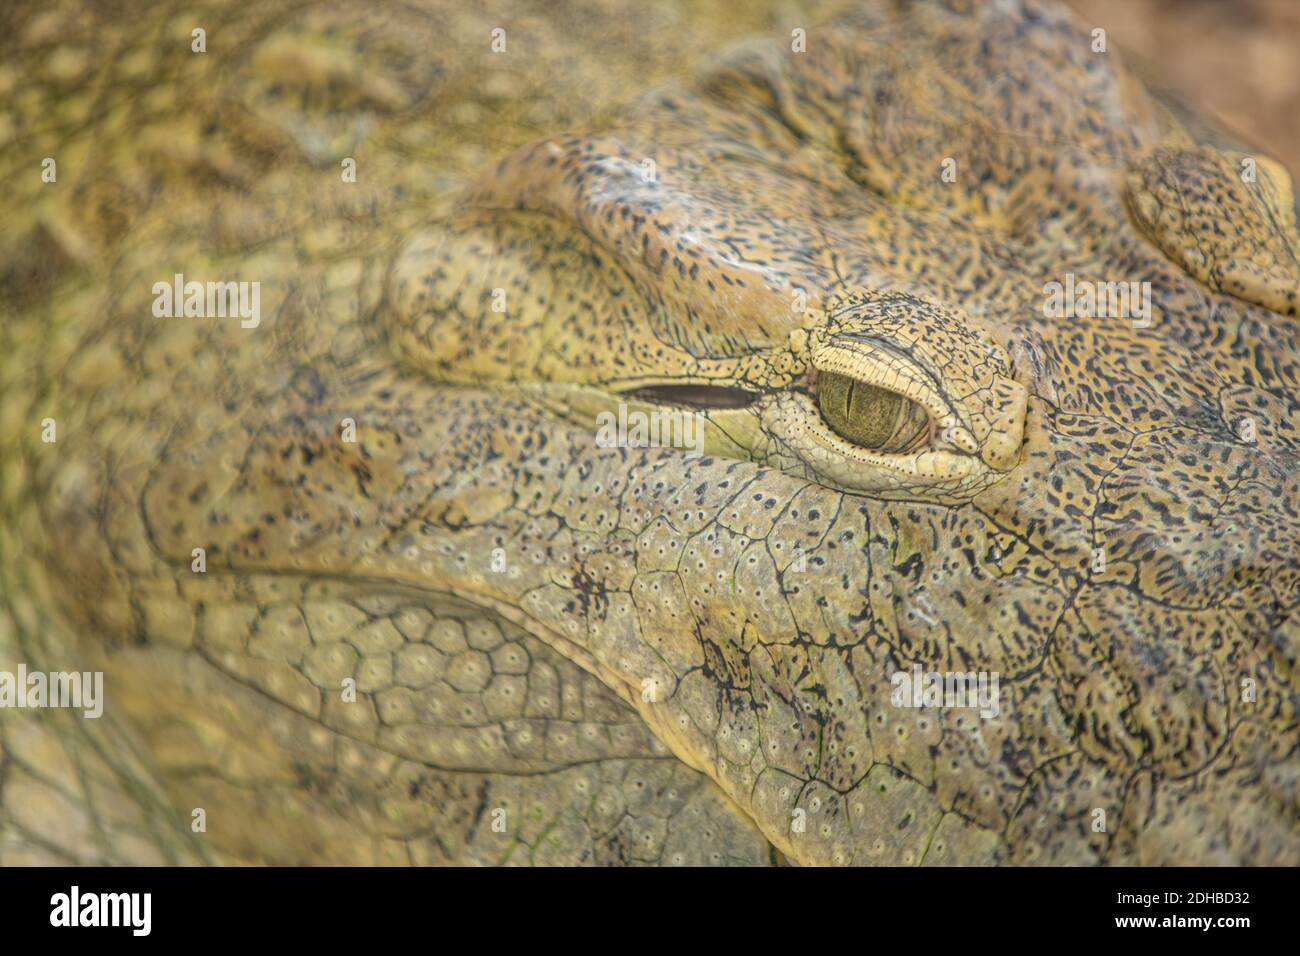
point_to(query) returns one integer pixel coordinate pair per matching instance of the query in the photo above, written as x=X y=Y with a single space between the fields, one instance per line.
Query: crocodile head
x=983 y=547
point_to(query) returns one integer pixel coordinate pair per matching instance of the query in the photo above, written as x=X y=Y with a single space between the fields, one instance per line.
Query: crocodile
x=986 y=551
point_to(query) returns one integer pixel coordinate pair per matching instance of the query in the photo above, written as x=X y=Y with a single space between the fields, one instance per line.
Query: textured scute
x=474 y=634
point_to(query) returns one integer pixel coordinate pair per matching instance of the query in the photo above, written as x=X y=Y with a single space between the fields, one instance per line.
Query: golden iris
x=866 y=415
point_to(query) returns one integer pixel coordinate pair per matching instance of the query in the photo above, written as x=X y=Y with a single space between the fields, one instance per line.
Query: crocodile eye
x=869 y=416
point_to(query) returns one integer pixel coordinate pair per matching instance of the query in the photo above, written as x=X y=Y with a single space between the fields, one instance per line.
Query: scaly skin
x=639 y=655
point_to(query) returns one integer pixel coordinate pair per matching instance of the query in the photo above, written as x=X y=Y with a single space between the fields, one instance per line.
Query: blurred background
x=1236 y=60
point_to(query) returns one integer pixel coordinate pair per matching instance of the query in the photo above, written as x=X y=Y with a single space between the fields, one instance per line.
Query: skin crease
x=632 y=655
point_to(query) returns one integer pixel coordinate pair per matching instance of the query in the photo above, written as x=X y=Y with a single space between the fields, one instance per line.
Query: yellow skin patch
x=638 y=655
x=1173 y=193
